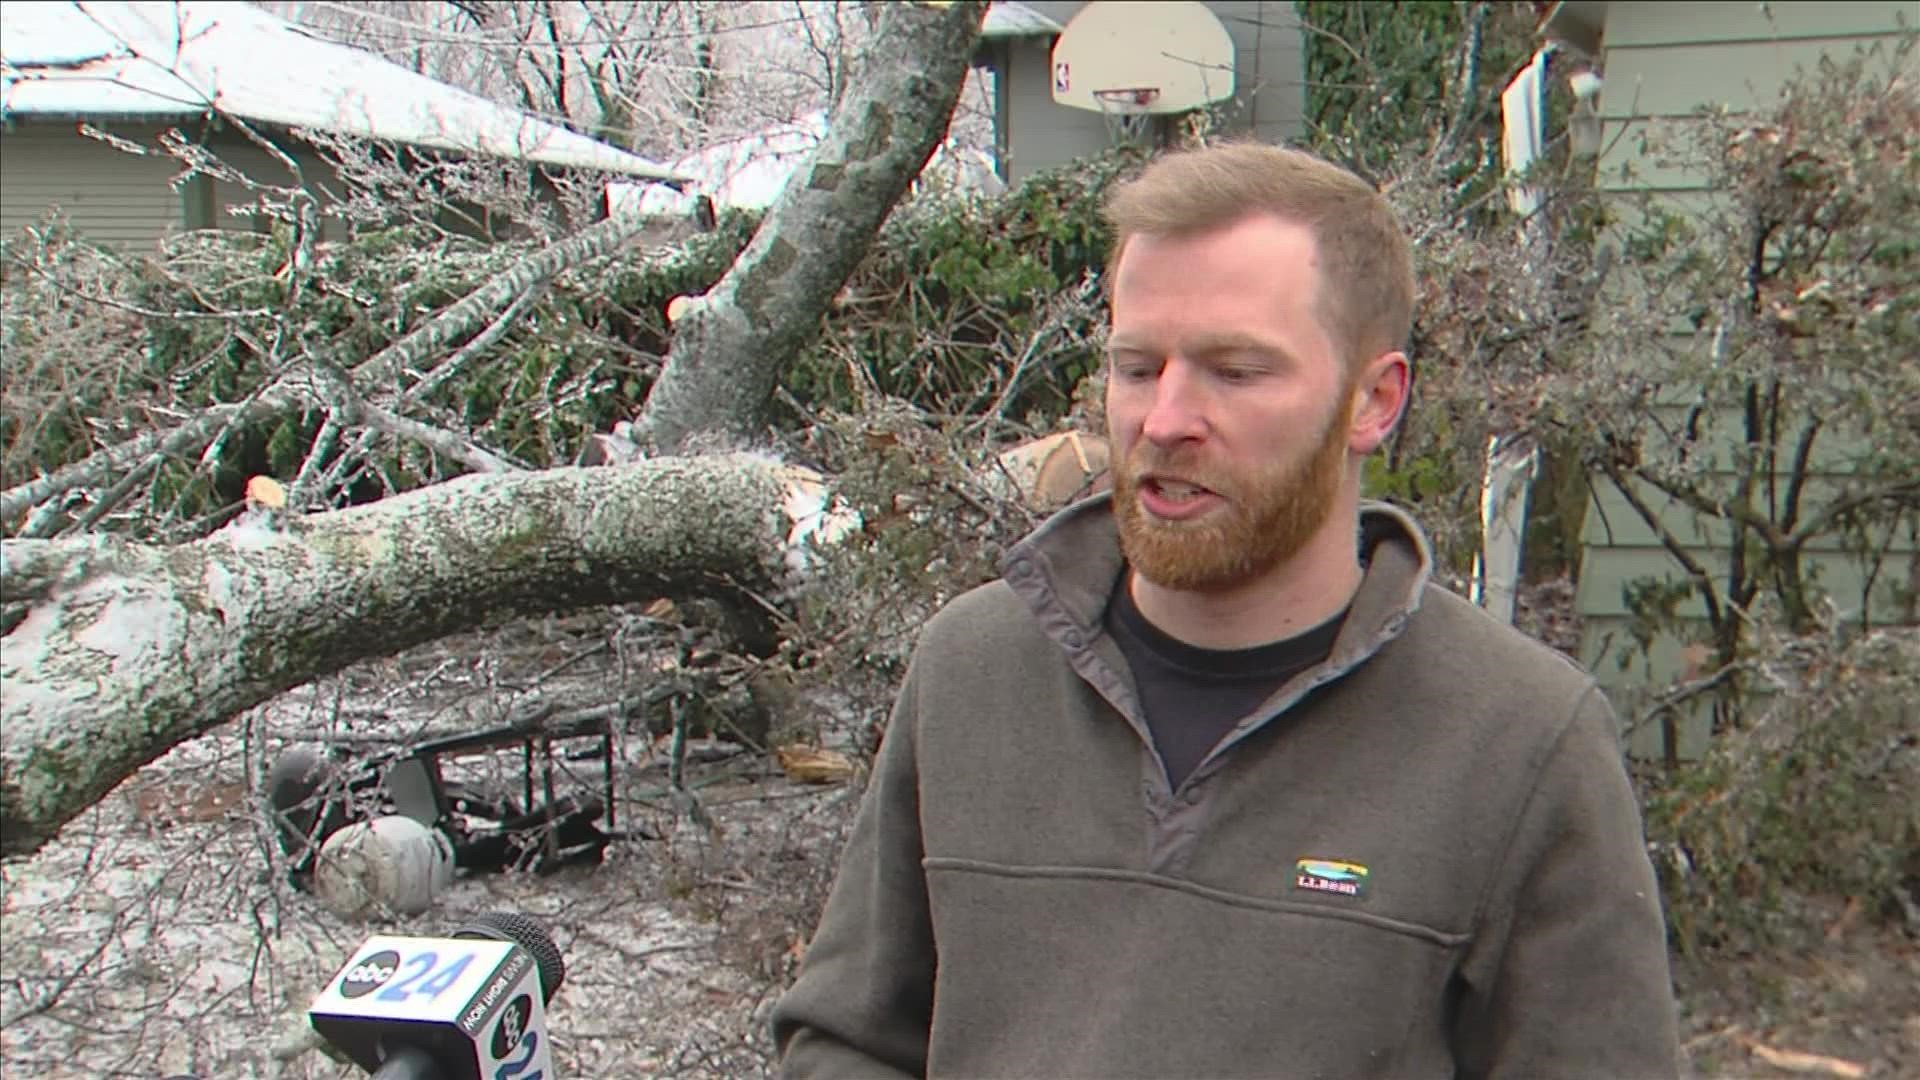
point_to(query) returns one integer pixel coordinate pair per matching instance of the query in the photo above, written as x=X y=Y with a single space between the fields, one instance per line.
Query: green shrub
x=1813 y=796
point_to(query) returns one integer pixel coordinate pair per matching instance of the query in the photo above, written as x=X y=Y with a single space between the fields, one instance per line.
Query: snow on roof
x=1007 y=19
x=179 y=58
x=49 y=34
x=748 y=172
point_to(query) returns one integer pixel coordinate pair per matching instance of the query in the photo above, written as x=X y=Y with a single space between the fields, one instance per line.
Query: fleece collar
x=1065 y=571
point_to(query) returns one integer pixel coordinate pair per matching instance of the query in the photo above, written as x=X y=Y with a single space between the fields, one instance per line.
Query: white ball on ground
x=390 y=863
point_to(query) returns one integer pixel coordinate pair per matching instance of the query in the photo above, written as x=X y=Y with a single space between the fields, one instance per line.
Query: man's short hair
x=1366 y=262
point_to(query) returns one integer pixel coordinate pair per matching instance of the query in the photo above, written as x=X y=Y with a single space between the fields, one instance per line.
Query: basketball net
x=1125 y=111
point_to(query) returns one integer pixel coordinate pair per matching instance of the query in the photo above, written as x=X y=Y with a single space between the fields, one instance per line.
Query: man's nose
x=1178 y=412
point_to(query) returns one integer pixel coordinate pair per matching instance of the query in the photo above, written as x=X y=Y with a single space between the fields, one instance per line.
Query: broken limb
x=116 y=652
x=437 y=334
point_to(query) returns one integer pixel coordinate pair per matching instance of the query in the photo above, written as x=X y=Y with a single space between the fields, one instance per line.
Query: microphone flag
x=474 y=1005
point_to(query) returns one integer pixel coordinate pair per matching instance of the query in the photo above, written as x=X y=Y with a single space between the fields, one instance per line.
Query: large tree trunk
x=730 y=349
x=115 y=652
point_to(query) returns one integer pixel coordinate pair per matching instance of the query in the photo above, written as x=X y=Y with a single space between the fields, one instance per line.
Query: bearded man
x=1215 y=782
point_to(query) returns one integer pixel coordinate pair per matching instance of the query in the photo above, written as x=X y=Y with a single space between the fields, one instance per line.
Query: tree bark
x=112 y=652
x=730 y=349
x=115 y=652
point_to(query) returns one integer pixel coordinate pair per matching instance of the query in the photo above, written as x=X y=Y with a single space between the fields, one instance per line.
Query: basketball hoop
x=1126 y=110
x=1141 y=66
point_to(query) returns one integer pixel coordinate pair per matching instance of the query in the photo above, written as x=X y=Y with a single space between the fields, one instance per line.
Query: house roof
x=184 y=58
x=1010 y=20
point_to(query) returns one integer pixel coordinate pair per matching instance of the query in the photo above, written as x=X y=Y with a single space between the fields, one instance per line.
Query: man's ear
x=1379 y=399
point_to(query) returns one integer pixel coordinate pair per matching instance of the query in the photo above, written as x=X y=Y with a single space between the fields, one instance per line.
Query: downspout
x=1512 y=461
x=1002 y=115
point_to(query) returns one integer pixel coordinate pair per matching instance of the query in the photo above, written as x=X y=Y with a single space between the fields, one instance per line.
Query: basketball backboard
x=1143 y=57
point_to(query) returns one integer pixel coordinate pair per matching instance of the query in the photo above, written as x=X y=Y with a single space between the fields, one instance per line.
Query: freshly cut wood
x=1799 y=1062
x=1054 y=470
x=813 y=765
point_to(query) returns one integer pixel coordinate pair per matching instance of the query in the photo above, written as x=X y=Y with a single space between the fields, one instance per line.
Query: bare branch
x=1697 y=573
x=439 y=440
x=443 y=329
x=184 y=439
x=437 y=333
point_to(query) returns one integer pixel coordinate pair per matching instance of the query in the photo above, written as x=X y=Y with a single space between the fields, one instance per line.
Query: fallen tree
x=114 y=652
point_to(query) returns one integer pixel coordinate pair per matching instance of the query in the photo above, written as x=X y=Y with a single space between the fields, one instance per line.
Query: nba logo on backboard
x=1178 y=49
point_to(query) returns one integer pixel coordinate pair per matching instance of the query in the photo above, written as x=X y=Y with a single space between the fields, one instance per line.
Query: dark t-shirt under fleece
x=1193 y=696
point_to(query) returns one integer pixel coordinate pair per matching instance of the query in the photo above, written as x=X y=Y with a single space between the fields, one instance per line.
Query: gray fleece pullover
x=1421 y=858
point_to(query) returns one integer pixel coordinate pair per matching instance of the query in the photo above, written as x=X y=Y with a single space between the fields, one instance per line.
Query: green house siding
x=1665 y=61
x=1662 y=62
x=1714 y=24
x=111 y=196
x=115 y=197
x=230 y=199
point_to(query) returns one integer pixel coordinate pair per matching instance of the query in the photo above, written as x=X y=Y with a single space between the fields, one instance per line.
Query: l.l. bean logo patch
x=1331 y=876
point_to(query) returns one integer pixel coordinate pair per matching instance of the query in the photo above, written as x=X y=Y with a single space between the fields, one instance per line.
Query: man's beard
x=1267 y=517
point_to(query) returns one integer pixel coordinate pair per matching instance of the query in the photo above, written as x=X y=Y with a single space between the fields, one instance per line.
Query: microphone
x=469 y=1007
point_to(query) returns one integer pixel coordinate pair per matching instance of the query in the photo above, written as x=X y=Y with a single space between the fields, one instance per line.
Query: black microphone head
x=518 y=929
